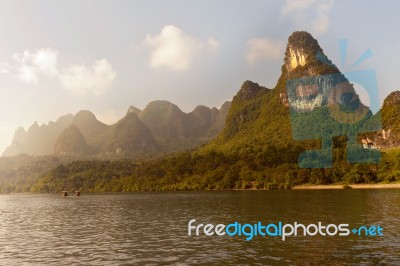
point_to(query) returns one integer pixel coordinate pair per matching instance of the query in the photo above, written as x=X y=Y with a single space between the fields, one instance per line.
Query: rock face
x=296 y=58
x=160 y=127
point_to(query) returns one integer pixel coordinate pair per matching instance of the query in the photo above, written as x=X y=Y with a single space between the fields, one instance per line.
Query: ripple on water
x=151 y=228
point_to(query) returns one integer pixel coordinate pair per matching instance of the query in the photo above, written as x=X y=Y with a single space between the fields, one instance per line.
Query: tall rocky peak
x=310 y=80
x=304 y=57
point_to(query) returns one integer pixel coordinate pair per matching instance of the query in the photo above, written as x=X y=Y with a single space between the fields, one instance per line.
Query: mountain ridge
x=186 y=132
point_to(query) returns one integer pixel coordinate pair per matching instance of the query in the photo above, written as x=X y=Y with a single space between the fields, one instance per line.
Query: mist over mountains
x=160 y=127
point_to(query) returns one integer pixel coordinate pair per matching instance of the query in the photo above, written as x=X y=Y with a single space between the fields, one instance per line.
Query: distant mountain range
x=160 y=127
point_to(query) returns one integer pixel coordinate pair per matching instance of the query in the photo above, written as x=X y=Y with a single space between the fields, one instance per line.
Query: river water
x=151 y=228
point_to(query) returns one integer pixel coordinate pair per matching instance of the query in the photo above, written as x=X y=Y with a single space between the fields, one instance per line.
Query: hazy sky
x=58 y=57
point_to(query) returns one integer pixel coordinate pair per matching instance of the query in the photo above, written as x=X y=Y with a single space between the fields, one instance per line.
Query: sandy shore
x=353 y=186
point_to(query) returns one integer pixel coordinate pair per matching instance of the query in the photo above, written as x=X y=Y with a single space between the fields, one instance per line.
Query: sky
x=59 y=57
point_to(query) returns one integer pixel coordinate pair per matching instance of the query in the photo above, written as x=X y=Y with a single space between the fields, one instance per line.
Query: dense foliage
x=20 y=173
x=194 y=171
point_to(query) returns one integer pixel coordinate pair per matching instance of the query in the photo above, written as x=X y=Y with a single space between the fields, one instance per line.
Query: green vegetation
x=215 y=171
x=20 y=173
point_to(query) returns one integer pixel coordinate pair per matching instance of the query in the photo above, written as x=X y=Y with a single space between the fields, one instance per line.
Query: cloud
x=29 y=67
x=31 y=64
x=309 y=14
x=82 y=79
x=259 y=48
x=46 y=61
x=28 y=74
x=175 y=49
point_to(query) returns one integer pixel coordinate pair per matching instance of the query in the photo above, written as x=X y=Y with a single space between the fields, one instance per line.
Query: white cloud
x=259 y=48
x=30 y=67
x=175 y=49
x=81 y=79
x=46 y=61
x=31 y=64
x=28 y=74
x=309 y=14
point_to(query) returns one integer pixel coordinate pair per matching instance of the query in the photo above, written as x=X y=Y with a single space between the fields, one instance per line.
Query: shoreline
x=298 y=187
x=352 y=186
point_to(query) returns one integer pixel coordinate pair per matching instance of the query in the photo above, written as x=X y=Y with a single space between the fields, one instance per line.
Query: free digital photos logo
x=280 y=229
x=327 y=106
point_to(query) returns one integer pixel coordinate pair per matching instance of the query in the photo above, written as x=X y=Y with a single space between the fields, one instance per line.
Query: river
x=151 y=228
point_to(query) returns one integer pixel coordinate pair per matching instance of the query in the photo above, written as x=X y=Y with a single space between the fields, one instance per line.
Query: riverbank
x=352 y=186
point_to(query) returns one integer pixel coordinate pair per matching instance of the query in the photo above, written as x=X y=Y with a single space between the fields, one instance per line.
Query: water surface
x=151 y=228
